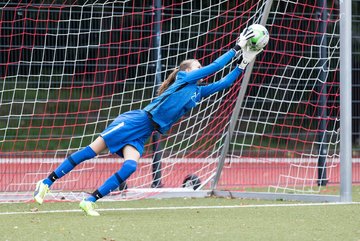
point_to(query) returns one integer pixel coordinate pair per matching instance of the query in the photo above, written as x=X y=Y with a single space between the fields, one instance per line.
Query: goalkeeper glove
x=242 y=40
x=245 y=35
x=248 y=54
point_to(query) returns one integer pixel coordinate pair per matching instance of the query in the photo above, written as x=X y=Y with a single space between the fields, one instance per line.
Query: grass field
x=183 y=219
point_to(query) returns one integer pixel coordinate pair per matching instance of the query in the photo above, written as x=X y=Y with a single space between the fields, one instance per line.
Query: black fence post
x=156 y=164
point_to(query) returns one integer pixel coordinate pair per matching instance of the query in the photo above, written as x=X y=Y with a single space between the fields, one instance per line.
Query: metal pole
x=345 y=102
x=322 y=88
x=238 y=104
x=156 y=165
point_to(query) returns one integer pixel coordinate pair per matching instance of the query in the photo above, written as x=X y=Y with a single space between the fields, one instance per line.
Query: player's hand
x=247 y=56
x=242 y=40
x=245 y=35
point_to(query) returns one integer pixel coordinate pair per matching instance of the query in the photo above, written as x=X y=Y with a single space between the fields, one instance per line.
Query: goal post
x=345 y=101
x=67 y=69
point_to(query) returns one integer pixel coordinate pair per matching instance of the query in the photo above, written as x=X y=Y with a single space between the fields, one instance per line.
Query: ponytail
x=169 y=81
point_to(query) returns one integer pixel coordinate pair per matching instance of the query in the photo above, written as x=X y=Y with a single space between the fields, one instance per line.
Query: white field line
x=184 y=208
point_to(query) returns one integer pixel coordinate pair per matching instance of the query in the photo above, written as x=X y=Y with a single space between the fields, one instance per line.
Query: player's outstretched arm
x=247 y=54
x=219 y=63
x=246 y=57
x=195 y=75
x=224 y=83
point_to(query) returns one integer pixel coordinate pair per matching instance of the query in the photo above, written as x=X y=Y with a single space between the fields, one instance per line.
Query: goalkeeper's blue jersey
x=185 y=94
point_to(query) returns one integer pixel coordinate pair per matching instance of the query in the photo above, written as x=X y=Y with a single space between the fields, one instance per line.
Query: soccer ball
x=261 y=38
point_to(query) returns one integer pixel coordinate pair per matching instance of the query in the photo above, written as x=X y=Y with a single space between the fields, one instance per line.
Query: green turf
x=326 y=222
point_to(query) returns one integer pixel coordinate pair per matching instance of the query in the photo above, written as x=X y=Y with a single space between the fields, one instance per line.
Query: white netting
x=290 y=116
x=68 y=69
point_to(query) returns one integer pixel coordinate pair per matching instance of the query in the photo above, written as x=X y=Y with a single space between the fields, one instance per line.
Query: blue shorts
x=130 y=128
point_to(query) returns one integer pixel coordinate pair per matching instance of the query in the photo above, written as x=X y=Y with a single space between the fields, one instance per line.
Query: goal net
x=287 y=133
x=69 y=68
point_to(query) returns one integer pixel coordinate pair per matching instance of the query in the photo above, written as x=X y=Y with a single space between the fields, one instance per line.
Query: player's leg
x=131 y=156
x=42 y=187
x=75 y=159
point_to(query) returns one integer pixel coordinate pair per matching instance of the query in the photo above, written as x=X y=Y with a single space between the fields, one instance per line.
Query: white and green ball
x=261 y=38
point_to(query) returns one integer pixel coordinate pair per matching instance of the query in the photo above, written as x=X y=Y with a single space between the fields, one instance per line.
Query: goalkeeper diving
x=127 y=134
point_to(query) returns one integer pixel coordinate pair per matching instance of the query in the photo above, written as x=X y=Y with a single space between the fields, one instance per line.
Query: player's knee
x=128 y=168
x=130 y=165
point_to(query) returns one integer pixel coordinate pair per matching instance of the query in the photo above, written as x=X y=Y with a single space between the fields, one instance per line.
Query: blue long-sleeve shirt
x=184 y=93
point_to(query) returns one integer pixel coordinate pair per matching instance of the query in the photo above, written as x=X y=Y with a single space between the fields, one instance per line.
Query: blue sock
x=114 y=181
x=69 y=163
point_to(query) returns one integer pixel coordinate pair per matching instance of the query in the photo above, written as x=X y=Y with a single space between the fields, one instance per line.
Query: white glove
x=245 y=35
x=248 y=55
x=242 y=40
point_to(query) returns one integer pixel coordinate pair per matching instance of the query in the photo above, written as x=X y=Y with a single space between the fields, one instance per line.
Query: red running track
x=17 y=177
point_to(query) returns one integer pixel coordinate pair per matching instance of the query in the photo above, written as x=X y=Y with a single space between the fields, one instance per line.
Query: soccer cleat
x=40 y=191
x=89 y=208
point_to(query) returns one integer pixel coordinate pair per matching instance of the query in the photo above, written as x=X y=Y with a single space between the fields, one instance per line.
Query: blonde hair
x=172 y=76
